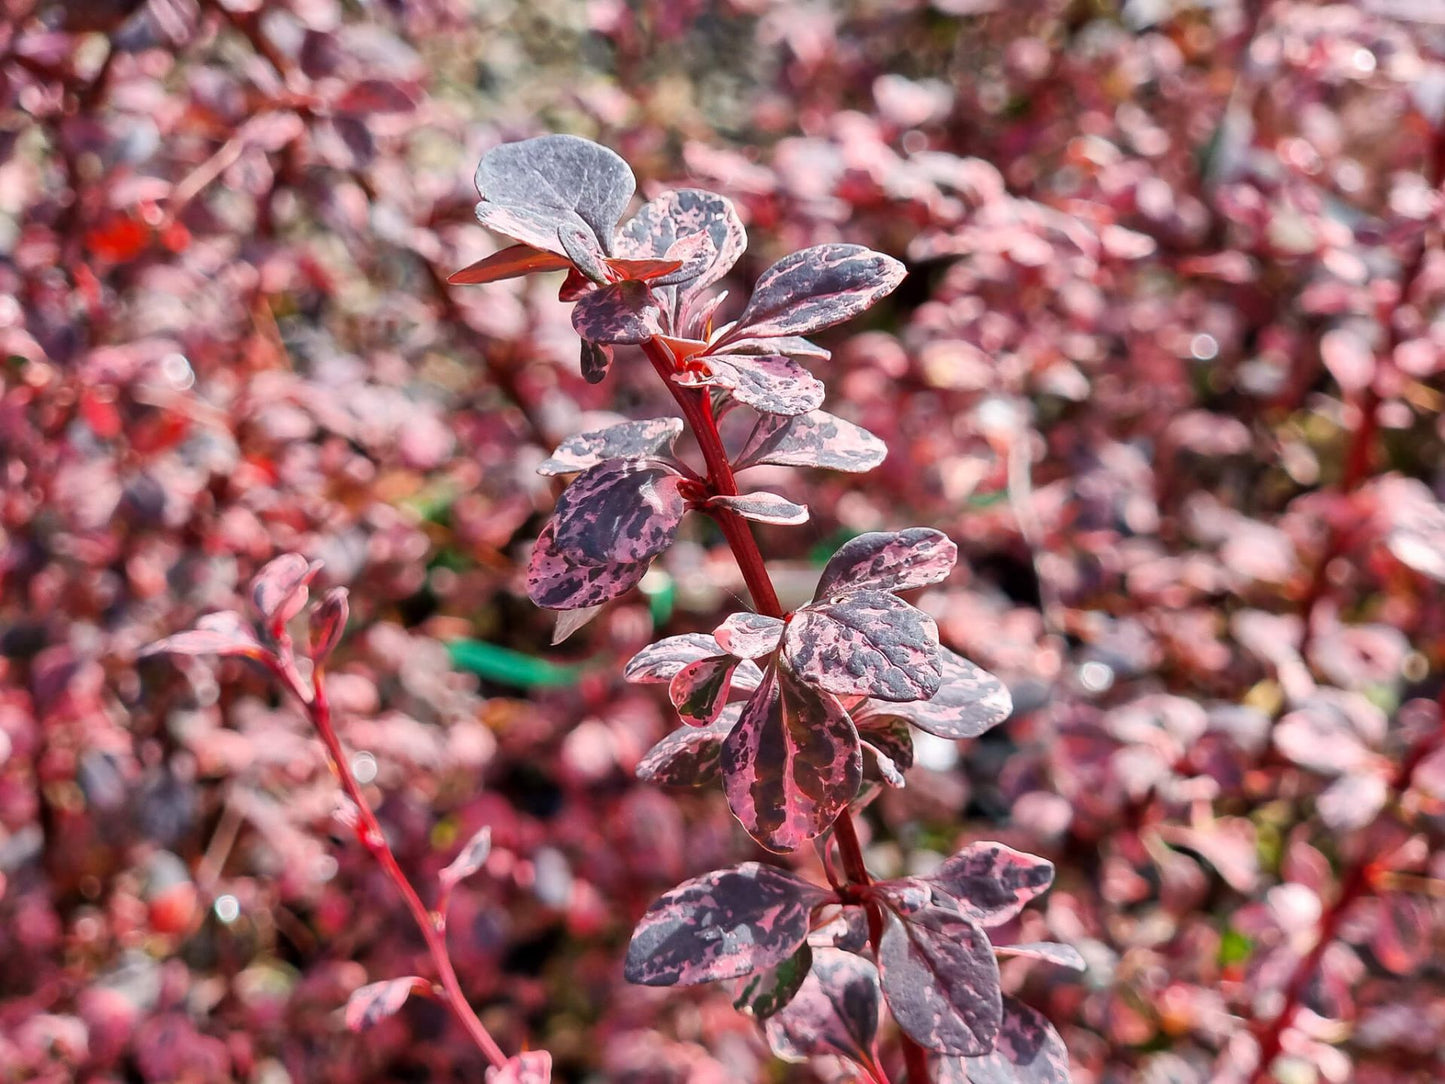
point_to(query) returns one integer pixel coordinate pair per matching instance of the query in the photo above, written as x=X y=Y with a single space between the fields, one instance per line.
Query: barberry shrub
x=785 y=710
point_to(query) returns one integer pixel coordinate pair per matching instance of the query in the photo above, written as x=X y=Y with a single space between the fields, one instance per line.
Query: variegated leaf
x=1027 y=1051
x=767 y=992
x=791 y=764
x=509 y=263
x=868 y=643
x=749 y=635
x=772 y=385
x=990 y=882
x=888 y=561
x=688 y=757
x=836 y=1011
x=557 y=582
x=648 y=438
x=791 y=346
x=721 y=925
x=596 y=360
x=762 y=507
x=815 y=439
x=659 y=662
x=941 y=980
x=700 y=689
x=969 y=701
x=374 y=1002
x=815 y=288
x=892 y=747
x=528 y=1067
x=623 y=312
x=1049 y=951
x=674 y=216
x=618 y=511
x=222 y=633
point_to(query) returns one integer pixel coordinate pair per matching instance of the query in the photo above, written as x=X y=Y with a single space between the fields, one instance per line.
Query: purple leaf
x=990 y=882
x=1048 y=951
x=1027 y=1051
x=279 y=590
x=374 y=1002
x=772 y=385
x=688 y=757
x=223 y=633
x=749 y=635
x=618 y=512
x=536 y=188
x=815 y=439
x=762 y=507
x=969 y=701
x=721 y=925
x=835 y=1011
x=557 y=582
x=375 y=96
x=624 y=312
x=791 y=764
x=469 y=859
x=889 y=561
x=700 y=689
x=661 y=223
x=868 y=643
x=650 y=438
x=528 y=1067
x=766 y=992
x=941 y=980
x=660 y=661
x=816 y=288
x=328 y=623
x=596 y=360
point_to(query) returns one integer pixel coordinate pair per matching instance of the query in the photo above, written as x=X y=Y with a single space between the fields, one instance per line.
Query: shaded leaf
x=868 y=643
x=762 y=507
x=509 y=263
x=773 y=385
x=618 y=511
x=279 y=590
x=721 y=925
x=749 y=635
x=990 y=882
x=941 y=981
x=1048 y=951
x=814 y=439
x=770 y=990
x=623 y=312
x=969 y=701
x=374 y=1002
x=791 y=764
x=688 y=757
x=469 y=859
x=557 y=582
x=1027 y=1051
x=223 y=633
x=528 y=1067
x=815 y=288
x=596 y=360
x=892 y=746
x=835 y=1011
x=889 y=561
x=660 y=661
x=651 y=437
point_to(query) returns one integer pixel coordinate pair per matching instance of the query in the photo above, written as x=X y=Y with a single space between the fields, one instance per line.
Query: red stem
x=696 y=406
x=318 y=707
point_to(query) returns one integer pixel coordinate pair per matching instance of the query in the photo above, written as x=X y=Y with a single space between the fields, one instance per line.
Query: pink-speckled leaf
x=721 y=925
x=1027 y=1051
x=792 y=762
x=835 y=1011
x=223 y=633
x=528 y=1067
x=749 y=635
x=762 y=507
x=596 y=360
x=279 y=591
x=815 y=439
x=869 y=643
x=374 y=1002
x=536 y=189
x=688 y=757
x=941 y=980
x=969 y=701
x=623 y=312
x=557 y=582
x=772 y=385
x=990 y=882
x=469 y=859
x=700 y=689
x=889 y=561
x=1049 y=951
x=509 y=263
x=618 y=511
x=649 y=438
x=659 y=662
x=673 y=217
x=816 y=288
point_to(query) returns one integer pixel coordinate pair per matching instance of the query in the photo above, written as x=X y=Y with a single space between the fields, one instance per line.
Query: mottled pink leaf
x=223 y=633
x=469 y=859
x=749 y=635
x=659 y=662
x=721 y=925
x=772 y=385
x=891 y=743
x=528 y=1067
x=835 y=1011
x=1048 y=951
x=623 y=312
x=618 y=512
x=557 y=582
x=649 y=438
x=279 y=590
x=969 y=701
x=816 y=288
x=700 y=689
x=815 y=439
x=1027 y=1051
x=941 y=980
x=889 y=561
x=509 y=263
x=792 y=762
x=762 y=507
x=374 y=1002
x=869 y=643
x=688 y=757
x=990 y=882
x=662 y=222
